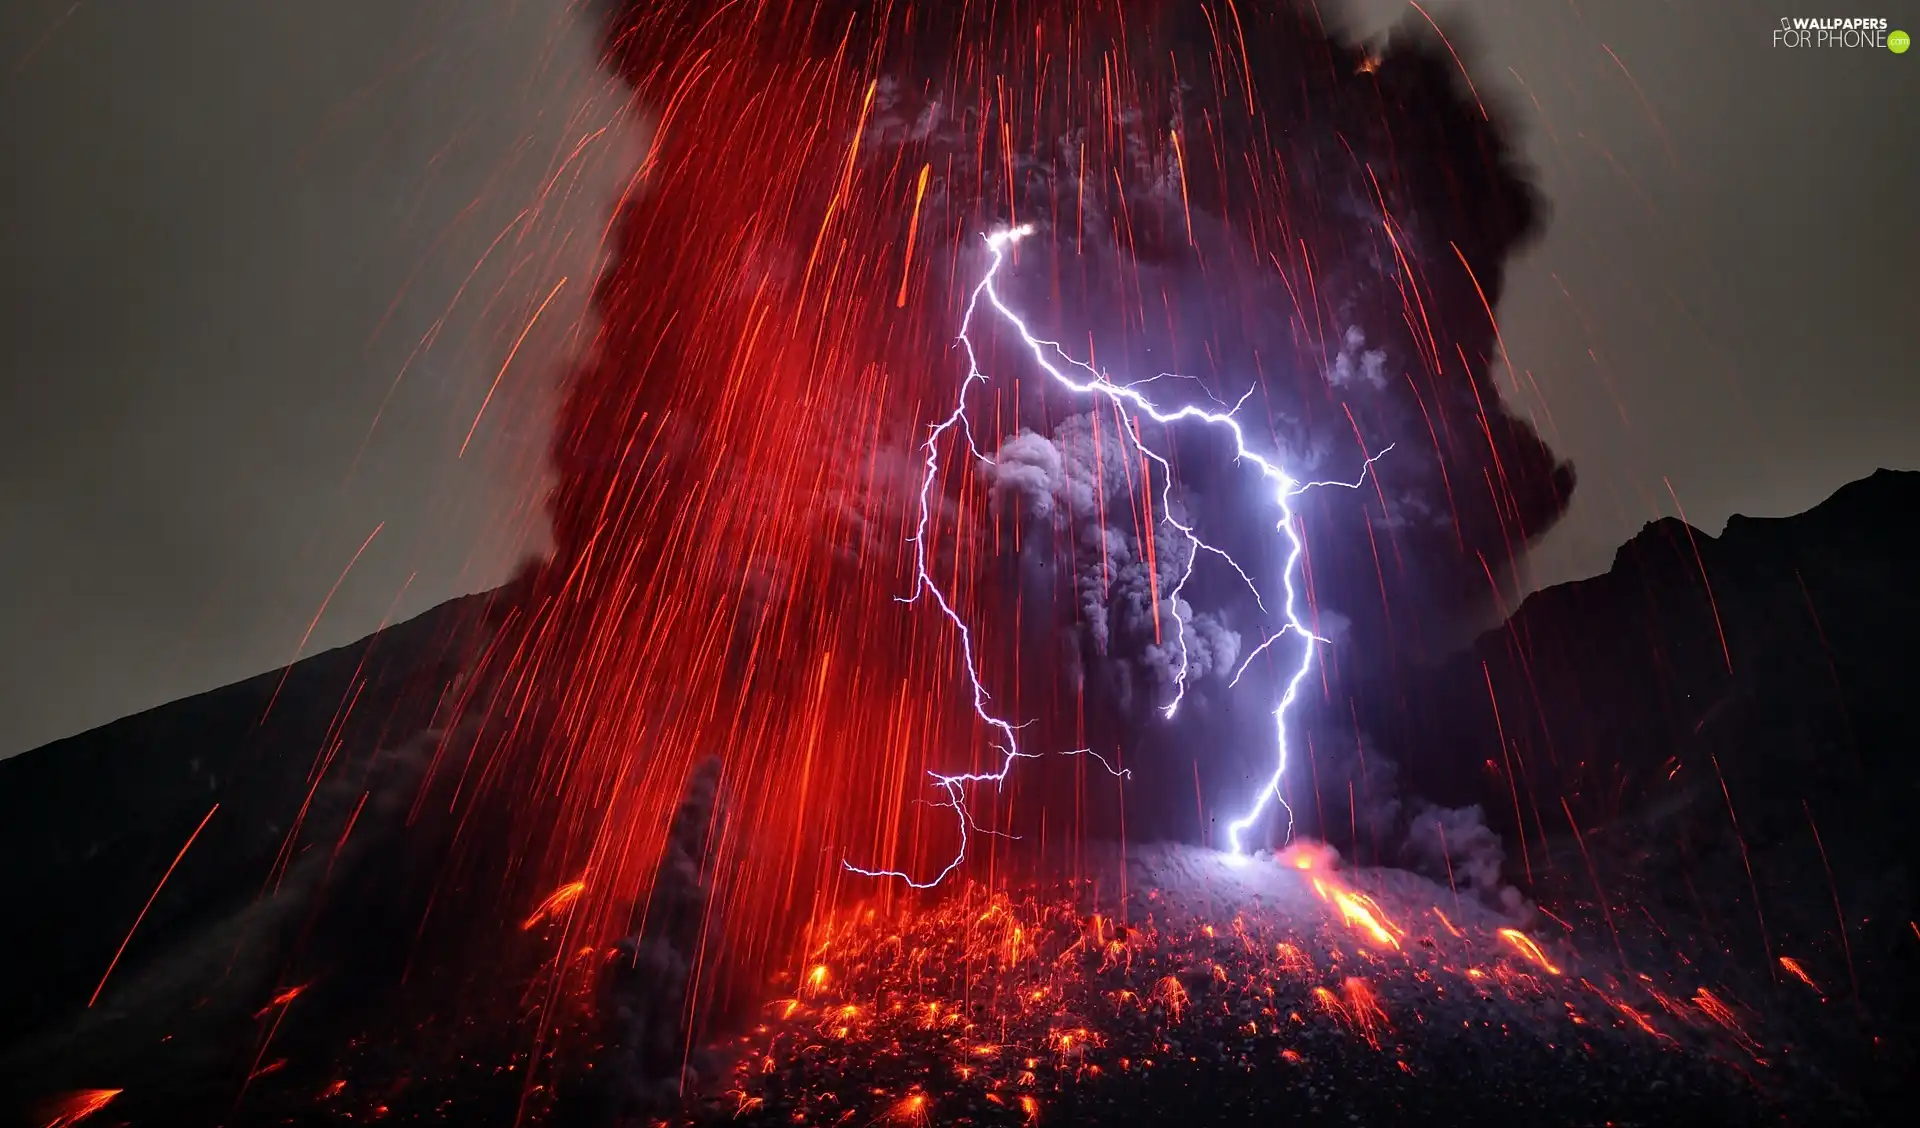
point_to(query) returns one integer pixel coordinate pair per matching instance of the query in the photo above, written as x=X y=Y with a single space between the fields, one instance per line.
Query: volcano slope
x=1177 y=983
x=1700 y=763
x=1726 y=823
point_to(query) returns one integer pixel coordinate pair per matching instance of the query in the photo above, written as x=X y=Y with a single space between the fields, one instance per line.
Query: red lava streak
x=735 y=456
x=741 y=503
x=974 y=995
x=72 y=1108
x=555 y=904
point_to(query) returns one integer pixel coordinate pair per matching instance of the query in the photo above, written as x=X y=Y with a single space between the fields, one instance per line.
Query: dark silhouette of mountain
x=313 y=769
x=1727 y=722
x=1774 y=659
x=1692 y=647
x=1730 y=725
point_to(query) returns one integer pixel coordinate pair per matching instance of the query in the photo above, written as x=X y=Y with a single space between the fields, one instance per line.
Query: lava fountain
x=1311 y=234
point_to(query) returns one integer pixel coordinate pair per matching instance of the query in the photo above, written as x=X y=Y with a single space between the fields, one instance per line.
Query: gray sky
x=226 y=226
x=208 y=207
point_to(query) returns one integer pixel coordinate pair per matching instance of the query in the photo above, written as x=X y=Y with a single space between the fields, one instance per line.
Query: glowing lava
x=74 y=1107
x=925 y=1010
x=555 y=904
x=1526 y=946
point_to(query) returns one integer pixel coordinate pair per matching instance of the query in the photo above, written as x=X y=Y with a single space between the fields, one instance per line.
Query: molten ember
x=1526 y=947
x=72 y=1108
x=924 y=1005
x=777 y=515
x=556 y=903
x=882 y=268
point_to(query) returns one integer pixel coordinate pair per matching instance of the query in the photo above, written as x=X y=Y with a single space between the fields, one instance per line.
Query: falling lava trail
x=1288 y=984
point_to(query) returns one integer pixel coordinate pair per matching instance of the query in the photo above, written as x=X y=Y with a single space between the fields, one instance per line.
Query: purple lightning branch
x=1054 y=361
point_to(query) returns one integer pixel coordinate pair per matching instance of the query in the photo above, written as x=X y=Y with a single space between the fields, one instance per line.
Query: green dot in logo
x=1898 y=42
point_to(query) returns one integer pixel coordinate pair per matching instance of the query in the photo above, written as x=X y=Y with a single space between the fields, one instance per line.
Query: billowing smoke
x=1225 y=201
x=1130 y=628
x=1455 y=844
x=1334 y=255
x=1330 y=261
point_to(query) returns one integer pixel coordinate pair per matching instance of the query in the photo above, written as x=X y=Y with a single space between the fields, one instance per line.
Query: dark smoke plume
x=1455 y=844
x=1222 y=192
x=1329 y=231
x=1335 y=249
x=1120 y=637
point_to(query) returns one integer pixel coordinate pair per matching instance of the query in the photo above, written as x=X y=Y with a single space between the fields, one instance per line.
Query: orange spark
x=1640 y=1020
x=911 y=1110
x=1360 y=915
x=1526 y=947
x=121 y=950
x=1794 y=969
x=913 y=232
x=281 y=1000
x=1717 y=1010
x=274 y=1066
x=1172 y=995
x=1471 y=89
x=1363 y=1007
x=1180 y=162
x=314 y=623
x=508 y=363
x=556 y=903
x=71 y=1108
x=817 y=979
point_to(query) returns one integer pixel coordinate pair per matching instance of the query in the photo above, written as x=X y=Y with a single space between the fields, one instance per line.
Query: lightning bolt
x=1082 y=378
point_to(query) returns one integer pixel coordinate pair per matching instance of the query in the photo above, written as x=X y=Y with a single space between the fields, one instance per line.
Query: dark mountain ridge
x=1775 y=655
x=1705 y=757
x=313 y=767
x=1726 y=721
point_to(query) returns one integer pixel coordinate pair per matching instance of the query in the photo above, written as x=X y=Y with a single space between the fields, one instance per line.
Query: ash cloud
x=1334 y=255
x=1070 y=493
x=1332 y=242
x=1320 y=227
x=1358 y=366
x=1455 y=844
x=1350 y=795
x=1353 y=313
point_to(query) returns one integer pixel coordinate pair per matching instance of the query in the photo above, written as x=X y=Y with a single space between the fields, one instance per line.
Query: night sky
x=228 y=229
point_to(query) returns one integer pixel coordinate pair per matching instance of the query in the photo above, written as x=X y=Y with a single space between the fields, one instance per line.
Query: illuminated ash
x=1082 y=378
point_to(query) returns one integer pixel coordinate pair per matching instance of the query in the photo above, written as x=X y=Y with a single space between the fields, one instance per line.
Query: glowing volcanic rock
x=995 y=1008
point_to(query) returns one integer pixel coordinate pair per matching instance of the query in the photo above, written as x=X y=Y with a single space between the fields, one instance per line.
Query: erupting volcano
x=1281 y=254
x=1026 y=460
